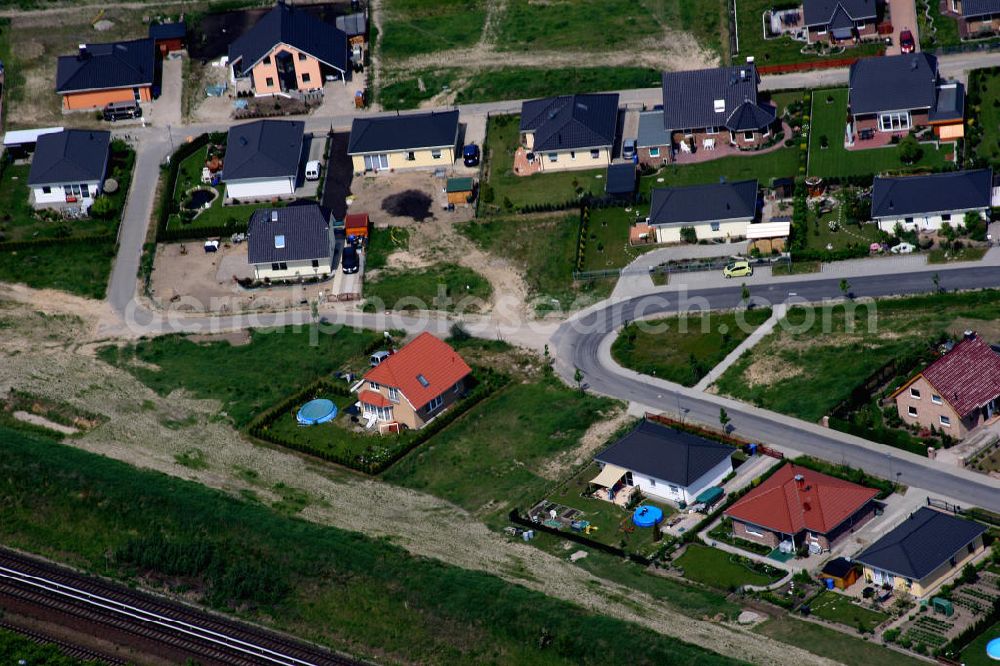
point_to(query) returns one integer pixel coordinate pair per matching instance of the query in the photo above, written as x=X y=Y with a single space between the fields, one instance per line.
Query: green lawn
x=382 y=242
x=781 y=163
x=984 y=111
x=945 y=28
x=243 y=377
x=361 y=595
x=975 y=653
x=828 y=119
x=78 y=268
x=825 y=642
x=570 y=24
x=510 y=192
x=684 y=349
x=545 y=249
x=487 y=460
x=837 y=607
x=438 y=287
x=781 y=50
x=805 y=370
x=722 y=570
x=607 y=245
x=942 y=256
x=614 y=524
x=410 y=27
x=820 y=235
x=20 y=222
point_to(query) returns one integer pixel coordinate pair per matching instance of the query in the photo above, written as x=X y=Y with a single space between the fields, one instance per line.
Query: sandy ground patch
x=149 y=431
x=596 y=437
x=769 y=370
x=38 y=420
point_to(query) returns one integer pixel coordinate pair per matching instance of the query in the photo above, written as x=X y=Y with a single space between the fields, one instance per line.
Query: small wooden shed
x=460 y=190
x=357 y=224
x=842 y=572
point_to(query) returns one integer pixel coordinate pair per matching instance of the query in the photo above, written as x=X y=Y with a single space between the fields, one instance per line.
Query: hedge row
x=167 y=204
x=489 y=381
x=200 y=233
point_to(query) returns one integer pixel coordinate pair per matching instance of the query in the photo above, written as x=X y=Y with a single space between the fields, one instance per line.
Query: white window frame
x=944 y=420
x=373 y=386
x=572 y=154
x=711 y=130
x=895 y=121
x=715 y=226
x=435 y=404
x=936 y=399
x=376 y=162
x=393 y=394
x=675 y=490
x=748 y=136
x=436 y=154
x=752 y=531
x=553 y=157
x=654 y=151
x=915 y=393
x=911 y=411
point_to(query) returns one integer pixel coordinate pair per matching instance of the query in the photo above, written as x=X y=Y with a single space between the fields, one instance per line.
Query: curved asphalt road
x=584 y=342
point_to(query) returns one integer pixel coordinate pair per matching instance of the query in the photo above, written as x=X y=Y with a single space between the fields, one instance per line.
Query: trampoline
x=316 y=411
x=993 y=649
x=647 y=516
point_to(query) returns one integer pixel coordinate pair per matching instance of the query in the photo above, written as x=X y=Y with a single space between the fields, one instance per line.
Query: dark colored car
x=906 y=43
x=349 y=260
x=122 y=111
x=470 y=155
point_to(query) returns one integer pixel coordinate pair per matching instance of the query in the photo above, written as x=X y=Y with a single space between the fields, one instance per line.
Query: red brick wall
x=768 y=539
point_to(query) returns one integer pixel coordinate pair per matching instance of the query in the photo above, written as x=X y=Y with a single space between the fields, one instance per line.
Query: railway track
x=68 y=649
x=151 y=620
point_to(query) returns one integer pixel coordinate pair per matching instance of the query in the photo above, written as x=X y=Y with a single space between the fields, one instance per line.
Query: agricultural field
x=411 y=27
x=829 y=109
x=684 y=349
x=805 y=370
x=335 y=587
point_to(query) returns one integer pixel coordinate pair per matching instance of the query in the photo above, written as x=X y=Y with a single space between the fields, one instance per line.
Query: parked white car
x=903 y=248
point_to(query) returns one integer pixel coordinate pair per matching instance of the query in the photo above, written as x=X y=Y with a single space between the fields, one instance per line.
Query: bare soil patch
x=413 y=204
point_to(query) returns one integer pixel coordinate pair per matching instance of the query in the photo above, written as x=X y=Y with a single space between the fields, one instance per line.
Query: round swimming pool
x=993 y=649
x=316 y=411
x=647 y=515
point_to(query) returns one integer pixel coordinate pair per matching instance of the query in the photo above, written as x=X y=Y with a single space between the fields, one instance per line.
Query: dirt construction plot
x=402 y=198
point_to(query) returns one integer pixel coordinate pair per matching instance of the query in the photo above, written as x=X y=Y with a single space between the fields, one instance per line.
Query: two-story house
x=840 y=21
x=290 y=243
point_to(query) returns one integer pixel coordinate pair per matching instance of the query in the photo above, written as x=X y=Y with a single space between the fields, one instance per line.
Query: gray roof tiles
x=296 y=27
x=972 y=8
x=749 y=116
x=921 y=544
x=411 y=131
x=663 y=453
x=677 y=206
x=263 y=149
x=353 y=24
x=893 y=83
x=709 y=97
x=109 y=65
x=904 y=196
x=826 y=12
x=303 y=231
x=70 y=156
x=571 y=121
x=950 y=104
x=651 y=130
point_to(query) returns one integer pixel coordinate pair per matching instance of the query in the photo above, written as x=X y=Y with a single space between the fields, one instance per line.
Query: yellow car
x=738 y=269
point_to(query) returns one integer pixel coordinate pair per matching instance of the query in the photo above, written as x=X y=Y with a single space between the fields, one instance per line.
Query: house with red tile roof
x=956 y=393
x=798 y=507
x=414 y=385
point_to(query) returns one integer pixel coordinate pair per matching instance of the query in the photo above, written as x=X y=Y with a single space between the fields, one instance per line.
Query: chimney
x=969 y=334
x=750 y=60
x=83 y=50
x=800 y=481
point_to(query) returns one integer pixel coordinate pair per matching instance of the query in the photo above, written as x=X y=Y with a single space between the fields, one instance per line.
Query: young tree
x=845 y=287
x=689 y=235
x=910 y=150
x=724 y=419
x=936 y=279
x=578 y=378
x=745 y=294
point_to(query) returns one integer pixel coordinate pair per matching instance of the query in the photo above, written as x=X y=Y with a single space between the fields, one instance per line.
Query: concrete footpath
x=776 y=315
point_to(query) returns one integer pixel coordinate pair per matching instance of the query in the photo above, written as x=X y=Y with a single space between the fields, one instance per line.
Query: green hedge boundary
x=167 y=206
x=488 y=382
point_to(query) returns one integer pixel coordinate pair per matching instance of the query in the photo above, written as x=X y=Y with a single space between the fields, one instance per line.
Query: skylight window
x=279 y=241
x=720 y=105
x=423 y=381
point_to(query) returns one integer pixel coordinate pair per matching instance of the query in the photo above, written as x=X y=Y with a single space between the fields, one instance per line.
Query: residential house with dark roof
x=840 y=21
x=956 y=393
x=262 y=160
x=288 y=51
x=894 y=94
x=414 y=385
x=706 y=106
x=570 y=131
x=798 y=507
x=662 y=463
x=403 y=141
x=653 y=141
x=99 y=74
x=68 y=168
x=291 y=243
x=924 y=203
x=716 y=210
x=976 y=18
x=922 y=552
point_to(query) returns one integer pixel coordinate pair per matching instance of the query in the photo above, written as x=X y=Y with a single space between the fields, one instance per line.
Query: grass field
x=217 y=215
x=721 y=570
x=544 y=247
x=438 y=287
x=500 y=444
x=835 y=160
x=825 y=642
x=249 y=378
x=781 y=163
x=608 y=246
x=781 y=50
x=688 y=347
x=987 y=115
x=975 y=653
x=410 y=27
x=805 y=370
x=342 y=589
x=511 y=192
x=78 y=268
x=838 y=608
x=382 y=243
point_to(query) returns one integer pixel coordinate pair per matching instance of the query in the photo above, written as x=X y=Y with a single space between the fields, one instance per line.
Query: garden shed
x=459 y=190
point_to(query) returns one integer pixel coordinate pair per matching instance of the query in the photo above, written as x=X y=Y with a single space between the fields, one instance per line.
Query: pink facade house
x=288 y=52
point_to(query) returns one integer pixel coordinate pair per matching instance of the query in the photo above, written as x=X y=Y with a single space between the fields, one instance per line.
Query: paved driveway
x=167 y=108
x=903 y=14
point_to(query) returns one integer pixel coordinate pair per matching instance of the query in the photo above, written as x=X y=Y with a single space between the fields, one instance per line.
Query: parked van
x=312 y=170
x=122 y=111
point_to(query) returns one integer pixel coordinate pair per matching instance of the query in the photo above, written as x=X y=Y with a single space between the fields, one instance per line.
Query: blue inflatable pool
x=647 y=516
x=316 y=411
x=993 y=649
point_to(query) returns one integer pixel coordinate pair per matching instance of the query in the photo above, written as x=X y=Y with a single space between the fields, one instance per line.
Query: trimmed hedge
x=167 y=205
